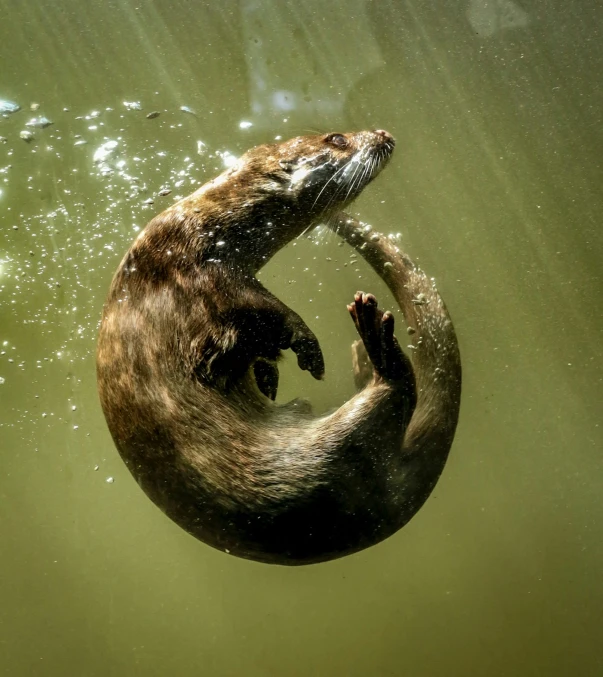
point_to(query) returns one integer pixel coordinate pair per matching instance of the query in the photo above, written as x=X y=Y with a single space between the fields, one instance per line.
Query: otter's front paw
x=309 y=355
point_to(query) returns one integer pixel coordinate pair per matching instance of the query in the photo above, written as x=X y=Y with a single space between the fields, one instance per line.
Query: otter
x=187 y=366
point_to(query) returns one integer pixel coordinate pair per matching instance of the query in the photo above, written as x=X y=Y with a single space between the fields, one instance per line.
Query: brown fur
x=187 y=372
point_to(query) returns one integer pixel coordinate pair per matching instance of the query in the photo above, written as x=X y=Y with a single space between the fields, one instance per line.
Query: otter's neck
x=209 y=227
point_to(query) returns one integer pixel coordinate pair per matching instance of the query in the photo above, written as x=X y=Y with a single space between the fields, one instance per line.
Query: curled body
x=187 y=366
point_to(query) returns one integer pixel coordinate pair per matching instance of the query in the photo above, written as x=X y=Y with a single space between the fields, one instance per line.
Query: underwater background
x=495 y=188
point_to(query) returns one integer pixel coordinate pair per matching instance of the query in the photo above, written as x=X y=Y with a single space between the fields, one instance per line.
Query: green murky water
x=495 y=187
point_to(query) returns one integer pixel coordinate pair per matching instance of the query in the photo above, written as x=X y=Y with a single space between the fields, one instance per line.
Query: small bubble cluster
x=73 y=199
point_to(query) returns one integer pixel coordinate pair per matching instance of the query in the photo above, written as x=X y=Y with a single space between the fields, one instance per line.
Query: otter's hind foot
x=376 y=329
x=361 y=365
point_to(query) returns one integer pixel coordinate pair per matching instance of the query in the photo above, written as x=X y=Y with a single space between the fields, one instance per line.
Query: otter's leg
x=255 y=329
x=295 y=334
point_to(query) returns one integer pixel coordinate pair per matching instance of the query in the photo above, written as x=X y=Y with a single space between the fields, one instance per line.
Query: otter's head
x=319 y=174
x=275 y=192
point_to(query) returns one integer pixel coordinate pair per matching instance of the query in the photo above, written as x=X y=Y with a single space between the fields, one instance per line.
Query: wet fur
x=187 y=355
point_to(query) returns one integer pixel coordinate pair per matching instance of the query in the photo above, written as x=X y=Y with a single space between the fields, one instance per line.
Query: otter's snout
x=385 y=136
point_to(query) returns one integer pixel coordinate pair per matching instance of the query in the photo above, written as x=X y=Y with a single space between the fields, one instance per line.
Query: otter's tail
x=435 y=352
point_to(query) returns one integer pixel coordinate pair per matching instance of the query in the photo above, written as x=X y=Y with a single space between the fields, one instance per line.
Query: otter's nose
x=385 y=136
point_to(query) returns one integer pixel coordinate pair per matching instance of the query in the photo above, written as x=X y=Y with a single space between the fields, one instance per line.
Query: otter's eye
x=337 y=140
